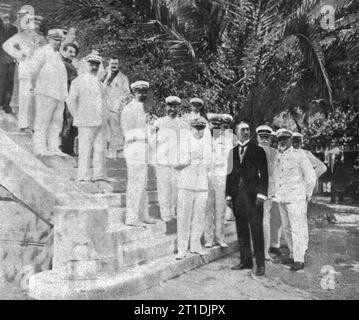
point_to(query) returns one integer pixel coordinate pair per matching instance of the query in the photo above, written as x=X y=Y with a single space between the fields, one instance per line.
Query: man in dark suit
x=246 y=190
x=7 y=65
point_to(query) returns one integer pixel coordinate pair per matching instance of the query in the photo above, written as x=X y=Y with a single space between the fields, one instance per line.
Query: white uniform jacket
x=136 y=131
x=22 y=47
x=221 y=148
x=117 y=91
x=319 y=167
x=294 y=176
x=87 y=101
x=165 y=143
x=196 y=155
x=271 y=154
x=49 y=71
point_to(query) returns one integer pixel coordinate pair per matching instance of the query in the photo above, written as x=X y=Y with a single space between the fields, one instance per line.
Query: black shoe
x=242 y=266
x=287 y=261
x=260 y=271
x=275 y=251
x=297 y=266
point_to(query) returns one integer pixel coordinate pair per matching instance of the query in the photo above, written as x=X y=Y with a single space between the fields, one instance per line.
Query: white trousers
x=26 y=105
x=216 y=211
x=115 y=138
x=272 y=225
x=136 y=195
x=48 y=125
x=91 y=139
x=295 y=227
x=167 y=190
x=190 y=219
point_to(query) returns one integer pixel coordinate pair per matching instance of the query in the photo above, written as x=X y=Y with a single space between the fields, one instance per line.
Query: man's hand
x=181 y=167
x=259 y=202
x=229 y=203
x=309 y=198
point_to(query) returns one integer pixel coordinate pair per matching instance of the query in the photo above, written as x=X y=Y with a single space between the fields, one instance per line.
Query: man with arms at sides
x=69 y=131
x=87 y=103
x=136 y=151
x=7 y=64
x=49 y=84
x=165 y=150
x=294 y=179
x=118 y=91
x=246 y=191
x=271 y=216
x=222 y=144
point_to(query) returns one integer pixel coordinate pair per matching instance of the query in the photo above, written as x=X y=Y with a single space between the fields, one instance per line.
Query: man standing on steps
x=246 y=191
x=222 y=144
x=7 y=64
x=271 y=217
x=49 y=83
x=294 y=179
x=21 y=48
x=136 y=151
x=69 y=131
x=118 y=90
x=166 y=148
x=87 y=103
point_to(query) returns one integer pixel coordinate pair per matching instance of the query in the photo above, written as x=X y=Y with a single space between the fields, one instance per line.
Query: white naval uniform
x=271 y=217
x=117 y=91
x=295 y=179
x=192 y=191
x=22 y=47
x=216 y=204
x=165 y=152
x=136 y=151
x=87 y=104
x=50 y=73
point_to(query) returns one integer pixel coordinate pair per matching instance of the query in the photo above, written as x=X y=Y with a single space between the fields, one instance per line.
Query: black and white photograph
x=179 y=150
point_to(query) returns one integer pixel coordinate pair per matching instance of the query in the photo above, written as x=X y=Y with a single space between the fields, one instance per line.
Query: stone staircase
x=95 y=255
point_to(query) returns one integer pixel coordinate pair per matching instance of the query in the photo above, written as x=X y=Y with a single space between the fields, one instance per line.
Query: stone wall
x=25 y=244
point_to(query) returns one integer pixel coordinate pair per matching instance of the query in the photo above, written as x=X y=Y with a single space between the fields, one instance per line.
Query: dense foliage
x=252 y=58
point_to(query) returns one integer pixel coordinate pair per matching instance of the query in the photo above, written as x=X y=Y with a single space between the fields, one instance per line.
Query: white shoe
x=200 y=252
x=222 y=244
x=208 y=245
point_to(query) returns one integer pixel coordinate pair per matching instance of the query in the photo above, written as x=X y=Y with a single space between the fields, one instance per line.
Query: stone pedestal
x=83 y=248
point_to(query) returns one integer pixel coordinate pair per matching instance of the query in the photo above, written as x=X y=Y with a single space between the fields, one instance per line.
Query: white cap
x=196 y=100
x=227 y=117
x=93 y=58
x=297 y=135
x=284 y=133
x=173 y=99
x=140 y=85
x=56 y=34
x=264 y=129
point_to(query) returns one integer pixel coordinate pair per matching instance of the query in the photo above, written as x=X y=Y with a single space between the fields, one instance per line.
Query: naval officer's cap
x=284 y=133
x=199 y=123
x=173 y=100
x=138 y=85
x=94 y=58
x=227 y=118
x=297 y=135
x=5 y=9
x=264 y=130
x=196 y=100
x=215 y=119
x=56 y=34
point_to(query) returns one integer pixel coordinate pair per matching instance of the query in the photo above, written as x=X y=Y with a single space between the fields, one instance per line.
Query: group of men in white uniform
x=190 y=150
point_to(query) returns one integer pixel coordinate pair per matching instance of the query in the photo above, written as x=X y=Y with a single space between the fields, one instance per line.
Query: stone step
x=119 y=199
x=50 y=285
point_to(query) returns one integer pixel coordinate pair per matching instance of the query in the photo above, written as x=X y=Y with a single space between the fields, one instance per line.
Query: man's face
x=196 y=107
x=297 y=143
x=141 y=94
x=5 y=19
x=263 y=140
x=172 y=109
x=284 y=142
x=55 y=43
x=94 y=67
x=243 y=132
x=70 y=53
x=198 y=133
x=114 y=65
